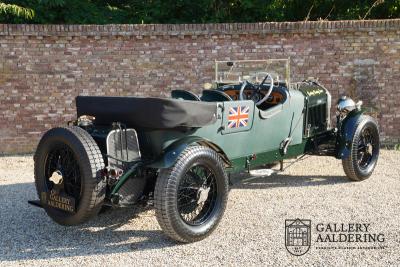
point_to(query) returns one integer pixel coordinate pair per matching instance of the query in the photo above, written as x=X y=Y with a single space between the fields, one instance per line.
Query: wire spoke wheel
x=364 y=152
x=68 y=175
x=61 y=160
x=190 y=196
x=197 y=194
x=366 y=146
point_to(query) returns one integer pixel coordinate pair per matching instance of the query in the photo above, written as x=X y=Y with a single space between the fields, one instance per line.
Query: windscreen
x=254 y=71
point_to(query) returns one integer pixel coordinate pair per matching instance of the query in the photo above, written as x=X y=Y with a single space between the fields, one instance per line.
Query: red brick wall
x=43 y=67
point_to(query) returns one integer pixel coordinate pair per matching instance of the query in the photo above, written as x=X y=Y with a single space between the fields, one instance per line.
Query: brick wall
x=43 y=67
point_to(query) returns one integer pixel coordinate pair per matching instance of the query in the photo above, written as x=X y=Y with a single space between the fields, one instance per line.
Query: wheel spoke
x=366 y=147
x=182 y=195
x=62 y=159
x=196 y=194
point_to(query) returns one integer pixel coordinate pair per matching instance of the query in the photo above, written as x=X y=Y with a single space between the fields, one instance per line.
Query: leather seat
x=214 y=96
x=185 y=95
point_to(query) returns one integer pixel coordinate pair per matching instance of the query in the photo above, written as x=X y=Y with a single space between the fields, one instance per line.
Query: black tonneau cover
x=147 y=112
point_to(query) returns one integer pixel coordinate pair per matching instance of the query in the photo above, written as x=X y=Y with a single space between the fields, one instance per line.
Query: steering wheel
x=255 y=96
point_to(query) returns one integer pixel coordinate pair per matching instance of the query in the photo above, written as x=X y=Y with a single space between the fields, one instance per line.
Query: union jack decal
x=238 y=116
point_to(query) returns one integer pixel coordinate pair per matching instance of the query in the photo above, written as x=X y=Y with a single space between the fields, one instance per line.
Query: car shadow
x=27 y=233
x=246 y=181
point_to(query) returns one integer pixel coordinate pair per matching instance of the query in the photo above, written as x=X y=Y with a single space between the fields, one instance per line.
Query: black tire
x=170 y=184
x=79 y=153
x=364 y=151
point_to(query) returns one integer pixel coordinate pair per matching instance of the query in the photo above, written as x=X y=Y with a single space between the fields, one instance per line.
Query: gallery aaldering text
x=349 y=233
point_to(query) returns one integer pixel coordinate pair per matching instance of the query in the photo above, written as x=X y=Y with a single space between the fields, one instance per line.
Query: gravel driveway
x=251 y=232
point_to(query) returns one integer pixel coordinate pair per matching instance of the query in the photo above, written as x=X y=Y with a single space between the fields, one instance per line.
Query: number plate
x=58 y=200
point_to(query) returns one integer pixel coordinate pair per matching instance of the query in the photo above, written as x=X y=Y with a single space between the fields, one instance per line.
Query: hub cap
x=56 y=177
x=62 y=171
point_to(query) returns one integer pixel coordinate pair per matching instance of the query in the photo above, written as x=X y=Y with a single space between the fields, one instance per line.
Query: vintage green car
x=179 y=152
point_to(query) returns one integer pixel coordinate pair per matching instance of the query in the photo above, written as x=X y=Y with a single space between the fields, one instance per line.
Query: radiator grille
x=316 y=119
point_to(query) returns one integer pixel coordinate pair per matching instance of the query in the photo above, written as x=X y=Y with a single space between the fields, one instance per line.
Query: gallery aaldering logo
x=298 y=236
x=348 y=236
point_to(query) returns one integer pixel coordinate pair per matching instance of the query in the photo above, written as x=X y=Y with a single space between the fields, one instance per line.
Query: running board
x=35 y=203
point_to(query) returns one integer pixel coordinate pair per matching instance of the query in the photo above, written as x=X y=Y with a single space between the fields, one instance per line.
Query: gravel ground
x=251 y=232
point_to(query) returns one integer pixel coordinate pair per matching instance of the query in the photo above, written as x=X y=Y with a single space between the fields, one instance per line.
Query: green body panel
x=240 y=164
x=263 y=136
x=169 y=154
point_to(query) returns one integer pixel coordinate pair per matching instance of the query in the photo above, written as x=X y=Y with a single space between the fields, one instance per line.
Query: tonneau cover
x=147 y=112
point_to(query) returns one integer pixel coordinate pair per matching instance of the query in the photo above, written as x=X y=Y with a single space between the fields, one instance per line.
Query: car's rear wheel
x=68 y=164
x=191 y=196
x=364 y=151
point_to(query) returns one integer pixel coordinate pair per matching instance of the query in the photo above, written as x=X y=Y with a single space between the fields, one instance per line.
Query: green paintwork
x=170 y=154
x=240 y=164
x=257 y=143
x=263 y=135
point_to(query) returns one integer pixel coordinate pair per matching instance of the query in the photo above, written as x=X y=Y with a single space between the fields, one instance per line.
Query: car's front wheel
x=364 y=151
x=191 y=196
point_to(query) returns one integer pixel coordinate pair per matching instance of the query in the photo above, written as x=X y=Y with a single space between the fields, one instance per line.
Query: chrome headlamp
x=346 y=105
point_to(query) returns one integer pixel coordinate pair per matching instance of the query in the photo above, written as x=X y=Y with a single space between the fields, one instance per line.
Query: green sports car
x=179 y=152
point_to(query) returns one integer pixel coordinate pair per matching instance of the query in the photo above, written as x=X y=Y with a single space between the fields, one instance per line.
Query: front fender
x=172 y=152
x=346 y=134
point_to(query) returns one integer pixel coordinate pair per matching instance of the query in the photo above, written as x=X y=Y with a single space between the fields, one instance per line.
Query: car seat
x=185 y=95
x=214 y=96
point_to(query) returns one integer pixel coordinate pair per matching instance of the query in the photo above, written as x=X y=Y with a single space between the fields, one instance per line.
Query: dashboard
x=273 y=99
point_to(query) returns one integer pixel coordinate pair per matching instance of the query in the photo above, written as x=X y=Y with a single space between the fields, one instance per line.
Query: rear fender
x=348 y=129
x=172 y=152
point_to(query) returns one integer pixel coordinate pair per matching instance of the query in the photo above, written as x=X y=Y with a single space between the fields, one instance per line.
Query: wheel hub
x=56 y=177
x=369 y=149
x=202 y=194
x=197 y=195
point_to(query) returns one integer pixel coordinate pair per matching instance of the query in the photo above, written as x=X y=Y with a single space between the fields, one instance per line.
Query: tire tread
x=349 y=163
x=92 y=161
x=164 y=196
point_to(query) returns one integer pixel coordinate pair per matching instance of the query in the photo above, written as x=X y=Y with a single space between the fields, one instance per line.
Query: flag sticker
x=238 y=117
